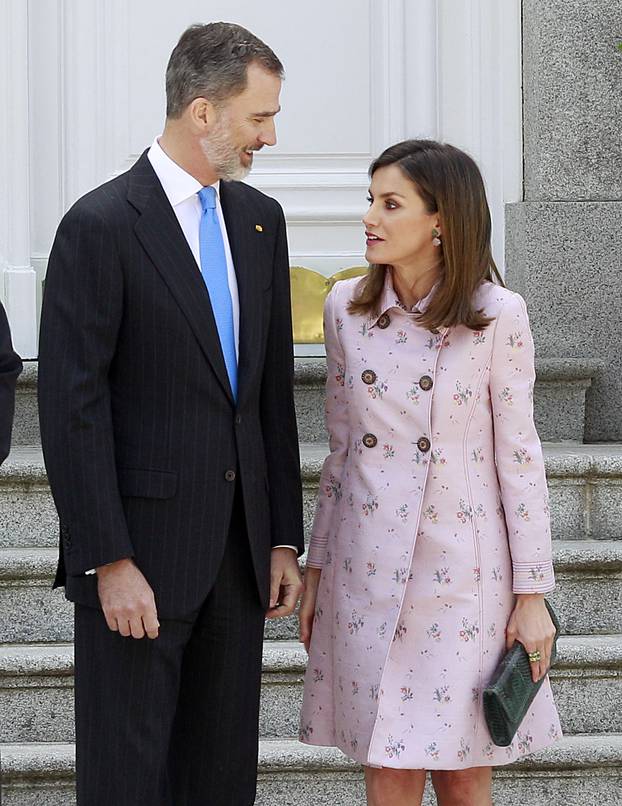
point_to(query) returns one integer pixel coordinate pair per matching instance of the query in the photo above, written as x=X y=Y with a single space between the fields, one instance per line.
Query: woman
x=430 y=550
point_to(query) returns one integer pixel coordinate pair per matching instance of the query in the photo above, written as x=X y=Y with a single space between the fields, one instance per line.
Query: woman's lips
x=372 y=239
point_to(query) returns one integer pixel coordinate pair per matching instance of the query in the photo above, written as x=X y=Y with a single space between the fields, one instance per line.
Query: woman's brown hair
x=450 y=184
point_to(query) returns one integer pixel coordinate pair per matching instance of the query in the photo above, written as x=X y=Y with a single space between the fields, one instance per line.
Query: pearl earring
x=436 y=241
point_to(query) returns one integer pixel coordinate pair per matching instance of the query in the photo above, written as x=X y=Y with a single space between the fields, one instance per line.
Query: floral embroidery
x=371 y=569
x=521 y=457
x=469 y=631
x=479 y=337
x=373 y=692
x=406 y=694
x=382 y=629
x=441 y=575
x=441 y=695
x=339 y=323
x=437 y=457
x=318 y=675
x=401 y=337
x=515 y=340
x=347 y=565
x=366 y=330
x=355 y=687
x=432 y=750
x=492 y=631
x=522 y=512
x=413 y=394
x=477 y=574
x=400 y=631
x=402 y=512
x=434 y=632
x=505 y=396
x=554 y=733
x=496 y=574
x=536 y=574
x=339 y=377
x=394 y=747
x=377 y=390
x=400 y=575
x=477 y=455
x=333 y=488
x=462 y=394
x=355 y=624
x=466 y=511
x=358 y=446
x=431 y=514
x=524 y=742
x=370 y=505
x=388 y=451
x=305 y=731
x=488 y=750
x=435 y=341
x=474 y=695
x=464 y=751
x=318 y=613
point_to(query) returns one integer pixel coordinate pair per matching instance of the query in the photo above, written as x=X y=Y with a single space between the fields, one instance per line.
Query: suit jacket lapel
x=244 y=242
x=162 y=238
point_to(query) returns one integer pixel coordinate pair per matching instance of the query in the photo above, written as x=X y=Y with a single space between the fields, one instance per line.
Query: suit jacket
x=10 y=368
x=141 y=436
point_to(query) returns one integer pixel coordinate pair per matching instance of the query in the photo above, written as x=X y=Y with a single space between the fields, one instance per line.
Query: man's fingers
x=124 y=627
x=275 y=586
x=288 y=601
x=111 y=622
x=136 y=627
x=152 y=625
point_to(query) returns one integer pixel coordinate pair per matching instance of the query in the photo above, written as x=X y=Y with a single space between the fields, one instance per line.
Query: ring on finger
x=534 y=657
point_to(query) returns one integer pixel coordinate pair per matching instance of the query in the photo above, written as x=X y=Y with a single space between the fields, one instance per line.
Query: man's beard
x=223 y=156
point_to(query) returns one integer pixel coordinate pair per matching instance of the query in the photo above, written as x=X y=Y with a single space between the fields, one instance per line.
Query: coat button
x=369 y=376
x=426 y=383
x=238 y=419
x=370 y=440
x=384 y=321
x=423 y=443
x=230 y=475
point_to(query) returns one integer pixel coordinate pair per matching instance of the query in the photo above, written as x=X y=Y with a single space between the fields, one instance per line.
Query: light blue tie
x=214 y=271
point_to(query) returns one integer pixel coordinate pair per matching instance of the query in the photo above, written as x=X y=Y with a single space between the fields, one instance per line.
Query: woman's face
x=398 y=227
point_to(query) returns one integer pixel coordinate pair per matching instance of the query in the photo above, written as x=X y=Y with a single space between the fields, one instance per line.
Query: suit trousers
x=174 y=721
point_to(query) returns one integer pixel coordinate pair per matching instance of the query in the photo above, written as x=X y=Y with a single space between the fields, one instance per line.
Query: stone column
x=19 y=277
x=564 y=241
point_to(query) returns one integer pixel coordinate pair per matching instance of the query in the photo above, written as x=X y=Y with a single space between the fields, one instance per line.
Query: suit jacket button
x=238 y=419
x=426 y=383
x=230 y=475
x=384 y=321
x=423 y=443
x=369 y=377
x=370 y=440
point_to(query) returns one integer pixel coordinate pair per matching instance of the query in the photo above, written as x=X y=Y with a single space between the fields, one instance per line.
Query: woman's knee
x=470 y=787
x=386 y=781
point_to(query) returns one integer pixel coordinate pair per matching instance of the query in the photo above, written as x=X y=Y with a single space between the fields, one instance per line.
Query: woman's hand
x=531 y=625
x=307 y=607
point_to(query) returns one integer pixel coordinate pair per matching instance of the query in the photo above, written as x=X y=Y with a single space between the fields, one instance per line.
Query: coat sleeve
x=278 y=414
x=10 y=368
x=338 y=433
x=80 y=320
x=518 y=452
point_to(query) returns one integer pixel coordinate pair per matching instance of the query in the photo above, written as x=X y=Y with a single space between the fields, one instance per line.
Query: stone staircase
x=585 y=482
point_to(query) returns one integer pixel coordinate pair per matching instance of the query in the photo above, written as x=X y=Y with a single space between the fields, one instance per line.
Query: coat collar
x=390 y=300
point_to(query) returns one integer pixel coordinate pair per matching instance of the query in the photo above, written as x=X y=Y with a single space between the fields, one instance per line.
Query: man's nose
x=268 y=135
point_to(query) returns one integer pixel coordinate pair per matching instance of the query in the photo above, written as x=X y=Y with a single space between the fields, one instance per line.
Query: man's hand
x=286 y=584
x=127 y=600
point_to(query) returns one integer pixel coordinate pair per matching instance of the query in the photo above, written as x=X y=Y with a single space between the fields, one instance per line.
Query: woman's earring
x=436 y=240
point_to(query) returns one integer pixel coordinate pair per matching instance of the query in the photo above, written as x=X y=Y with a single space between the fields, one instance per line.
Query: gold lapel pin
x=258 y=227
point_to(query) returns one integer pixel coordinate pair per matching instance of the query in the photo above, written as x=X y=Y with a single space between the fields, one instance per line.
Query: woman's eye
x=391 y=205
x=370 y=200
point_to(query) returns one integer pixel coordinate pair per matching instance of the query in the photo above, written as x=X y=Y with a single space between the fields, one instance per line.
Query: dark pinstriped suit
x=10 y=368
x=140 y=435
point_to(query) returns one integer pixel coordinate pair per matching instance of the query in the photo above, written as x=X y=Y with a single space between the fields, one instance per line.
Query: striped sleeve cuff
x=317 y=551
x=533 y=577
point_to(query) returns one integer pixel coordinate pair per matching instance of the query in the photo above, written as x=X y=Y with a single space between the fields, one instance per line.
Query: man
x=10 y=368
x=169 y=433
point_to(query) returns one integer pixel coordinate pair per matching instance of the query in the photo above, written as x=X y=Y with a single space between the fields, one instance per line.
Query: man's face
x=245 y=124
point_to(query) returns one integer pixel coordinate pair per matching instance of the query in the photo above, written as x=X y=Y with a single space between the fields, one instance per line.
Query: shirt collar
x=178 y=184
x=389 y=299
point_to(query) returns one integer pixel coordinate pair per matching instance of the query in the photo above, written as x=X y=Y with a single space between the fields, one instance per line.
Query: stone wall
x=564 y=241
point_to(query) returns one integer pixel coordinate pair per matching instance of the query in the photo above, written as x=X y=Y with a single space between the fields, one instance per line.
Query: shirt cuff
x=285 y=546
x=90 y=572
x=533 y=577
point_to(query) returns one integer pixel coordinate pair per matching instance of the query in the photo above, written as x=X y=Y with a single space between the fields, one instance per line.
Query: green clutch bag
x=511 y=690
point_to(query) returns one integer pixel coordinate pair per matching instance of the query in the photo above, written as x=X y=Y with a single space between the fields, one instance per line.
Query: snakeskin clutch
x=511 y=690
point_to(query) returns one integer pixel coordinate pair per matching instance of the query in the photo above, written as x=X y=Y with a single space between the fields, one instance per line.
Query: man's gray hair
x=211 y=61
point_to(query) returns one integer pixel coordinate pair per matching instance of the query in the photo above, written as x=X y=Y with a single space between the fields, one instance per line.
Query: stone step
x=588 y=596
x=577 y=771
x=585 y=485
x=36 y=688
x=559 y=397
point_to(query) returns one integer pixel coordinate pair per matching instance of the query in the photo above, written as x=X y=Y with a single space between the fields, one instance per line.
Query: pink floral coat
x=432 y=513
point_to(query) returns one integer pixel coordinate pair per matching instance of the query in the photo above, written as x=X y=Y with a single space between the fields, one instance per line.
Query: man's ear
x=201 y=115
